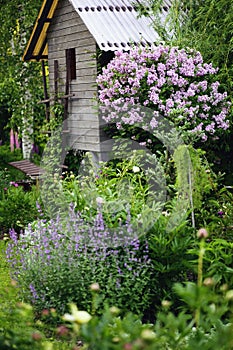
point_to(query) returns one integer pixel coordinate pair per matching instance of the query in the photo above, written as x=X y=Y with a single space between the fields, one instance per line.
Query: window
x=103 y=58
x=70 y=64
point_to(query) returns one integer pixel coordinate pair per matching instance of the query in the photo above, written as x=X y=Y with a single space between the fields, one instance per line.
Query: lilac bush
x=175 y=84
x=56 y=262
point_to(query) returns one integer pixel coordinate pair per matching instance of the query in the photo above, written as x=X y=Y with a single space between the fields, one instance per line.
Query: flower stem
x=200 y=277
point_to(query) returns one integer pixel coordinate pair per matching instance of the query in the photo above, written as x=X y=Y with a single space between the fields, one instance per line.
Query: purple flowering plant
x=174 y=83
x=55 y=262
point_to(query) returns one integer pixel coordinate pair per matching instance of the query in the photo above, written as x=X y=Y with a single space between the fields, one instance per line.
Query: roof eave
x=37 y=45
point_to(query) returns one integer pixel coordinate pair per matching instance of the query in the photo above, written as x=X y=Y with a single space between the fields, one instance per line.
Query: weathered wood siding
x=67 y=30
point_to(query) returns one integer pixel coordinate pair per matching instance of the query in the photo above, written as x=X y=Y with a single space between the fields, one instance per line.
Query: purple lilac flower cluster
x=57 y=256
x=169 y=81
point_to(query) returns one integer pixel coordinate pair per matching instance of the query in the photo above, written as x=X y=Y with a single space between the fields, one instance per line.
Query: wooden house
x=75 y=36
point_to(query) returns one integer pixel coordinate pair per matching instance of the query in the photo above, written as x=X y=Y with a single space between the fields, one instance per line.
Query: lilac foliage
x=77 y=253
x=174 y=83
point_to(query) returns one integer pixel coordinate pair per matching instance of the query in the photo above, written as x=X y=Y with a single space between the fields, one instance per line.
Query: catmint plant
x=174 y=83
x=56 y=262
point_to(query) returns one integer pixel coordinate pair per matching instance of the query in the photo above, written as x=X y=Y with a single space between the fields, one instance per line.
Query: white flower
x=99 y=200
x=69 y=318
x=95 y=287
x=136 y=169
x=148 y=334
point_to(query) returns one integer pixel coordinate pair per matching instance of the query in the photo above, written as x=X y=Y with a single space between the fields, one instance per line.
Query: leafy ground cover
x=204 y=320
x=5 y=158
x=19 y=329
x=17 y=207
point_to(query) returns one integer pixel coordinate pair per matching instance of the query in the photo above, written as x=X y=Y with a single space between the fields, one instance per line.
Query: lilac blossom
x=167 y=80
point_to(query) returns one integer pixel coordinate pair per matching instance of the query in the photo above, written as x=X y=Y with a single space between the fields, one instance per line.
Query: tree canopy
x=17 y=78
x=206 y=26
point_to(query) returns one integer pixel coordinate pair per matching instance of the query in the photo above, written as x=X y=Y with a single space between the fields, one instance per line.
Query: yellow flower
x=114 y=310
x=77 y=316
x=229 y=294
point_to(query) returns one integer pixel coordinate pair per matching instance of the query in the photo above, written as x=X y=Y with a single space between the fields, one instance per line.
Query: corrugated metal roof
x=114 y=24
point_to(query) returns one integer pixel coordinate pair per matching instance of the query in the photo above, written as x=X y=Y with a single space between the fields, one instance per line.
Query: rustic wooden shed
x=71 y=34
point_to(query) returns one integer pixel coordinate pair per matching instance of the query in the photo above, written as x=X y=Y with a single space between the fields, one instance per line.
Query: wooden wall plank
x=83 y=54
x=68 y=31
x=88 y=63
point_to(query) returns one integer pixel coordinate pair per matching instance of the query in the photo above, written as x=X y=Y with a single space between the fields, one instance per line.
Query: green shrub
x=122 y=186
x=17 y=326
x=204 y=319
x=216 y=211
x=17 y=208
x=4 y=181
x=171 y=260
x=18 y=332
x=171 y=331
x=6 y=156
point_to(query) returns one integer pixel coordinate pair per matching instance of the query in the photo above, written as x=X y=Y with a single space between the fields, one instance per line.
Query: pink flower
x=167 y=80
x=12 y=140
x=202 y=233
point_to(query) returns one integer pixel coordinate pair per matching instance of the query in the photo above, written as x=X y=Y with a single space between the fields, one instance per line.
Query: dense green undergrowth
x=6 y=157
x=18 y=326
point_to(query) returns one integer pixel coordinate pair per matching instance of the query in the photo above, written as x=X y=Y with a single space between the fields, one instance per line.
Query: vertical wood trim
x=56 y=76
x=45 y=90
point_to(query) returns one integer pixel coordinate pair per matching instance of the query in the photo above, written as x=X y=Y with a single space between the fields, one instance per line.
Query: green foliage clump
x=170 y=331
x=171 y=260
x=122 y=187
x=8 y=156
x=17 y=326
x=203 y=319
x=18 y=79
x=17 y=207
